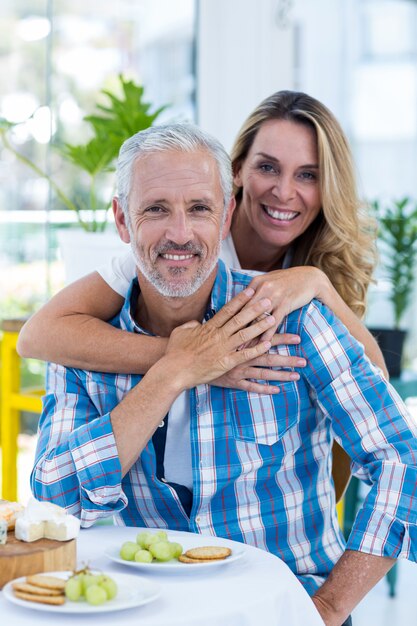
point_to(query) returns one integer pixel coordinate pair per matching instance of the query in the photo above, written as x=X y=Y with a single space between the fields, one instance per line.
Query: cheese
x=27 y=530
x=45 y=520
x=62 y=530
x=9 y=512
x=3 y=532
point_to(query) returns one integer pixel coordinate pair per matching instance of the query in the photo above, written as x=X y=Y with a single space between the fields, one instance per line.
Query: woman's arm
x=71 y=330
x=292 y=288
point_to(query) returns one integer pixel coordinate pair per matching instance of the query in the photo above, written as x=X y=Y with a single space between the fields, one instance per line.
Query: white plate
x=113 y=553
x=132 y=591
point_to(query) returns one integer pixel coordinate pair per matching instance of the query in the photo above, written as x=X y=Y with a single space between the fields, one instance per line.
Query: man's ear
x=229 y=214
x=120 y=220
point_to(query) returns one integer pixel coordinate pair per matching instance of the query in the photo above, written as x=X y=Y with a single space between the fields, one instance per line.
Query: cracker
x=31 y=597
x=48 y=582
x=208 y=553
x=186 y=559
x=39 y=591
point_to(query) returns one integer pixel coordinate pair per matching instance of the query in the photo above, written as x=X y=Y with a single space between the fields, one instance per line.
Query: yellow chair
x=13 y=400
x=340 y=510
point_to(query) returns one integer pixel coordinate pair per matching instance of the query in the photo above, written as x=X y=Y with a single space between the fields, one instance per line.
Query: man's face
x=176 y=209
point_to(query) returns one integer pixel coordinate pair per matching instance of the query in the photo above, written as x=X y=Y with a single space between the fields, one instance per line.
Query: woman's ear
x=120 y=220
x=237 y=179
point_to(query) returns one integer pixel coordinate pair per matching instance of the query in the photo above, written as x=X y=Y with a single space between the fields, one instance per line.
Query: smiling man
x=175 y=251
x=169 y=449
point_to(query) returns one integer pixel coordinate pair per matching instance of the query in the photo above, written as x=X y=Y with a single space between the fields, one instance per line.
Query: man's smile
x=177 y=257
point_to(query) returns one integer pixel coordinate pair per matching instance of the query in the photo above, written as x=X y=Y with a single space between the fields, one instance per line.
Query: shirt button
x=164 y=480
x=162 y=424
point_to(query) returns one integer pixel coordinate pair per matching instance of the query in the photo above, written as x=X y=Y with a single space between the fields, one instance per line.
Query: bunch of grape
x=94 y=588
x=149 y=547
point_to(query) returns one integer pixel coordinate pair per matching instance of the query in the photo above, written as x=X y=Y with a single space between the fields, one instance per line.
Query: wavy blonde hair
x=341 y=240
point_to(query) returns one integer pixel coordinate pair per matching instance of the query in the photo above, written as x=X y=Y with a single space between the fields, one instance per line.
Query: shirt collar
x=222 y=290
x=128 y=313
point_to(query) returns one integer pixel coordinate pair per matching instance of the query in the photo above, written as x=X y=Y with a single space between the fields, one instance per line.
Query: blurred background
x=206 y=61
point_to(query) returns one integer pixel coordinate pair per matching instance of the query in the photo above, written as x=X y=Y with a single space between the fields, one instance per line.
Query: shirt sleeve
x=119 y=272
x=76 y=464
x=372 y=423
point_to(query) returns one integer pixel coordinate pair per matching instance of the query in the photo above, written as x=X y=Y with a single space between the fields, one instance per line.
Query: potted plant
x=398 y=247
x=113 y=122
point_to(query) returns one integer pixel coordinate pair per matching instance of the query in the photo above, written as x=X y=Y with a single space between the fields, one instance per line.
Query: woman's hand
x=240 y=377
x=198 y=353
x=288 y=290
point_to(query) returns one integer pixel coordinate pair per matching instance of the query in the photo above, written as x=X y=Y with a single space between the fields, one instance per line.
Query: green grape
x=162 y=536
x=88 y=579
x=143 y=556
x=109 y=586
x=161 y=550
x=74 y=588
x=100 y=578
x=128 y=550
x=153 y=539
x=95 y=594
x=176 y=549
x=144 y=539
x=80 y=576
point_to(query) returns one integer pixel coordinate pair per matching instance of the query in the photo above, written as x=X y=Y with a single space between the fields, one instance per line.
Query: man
x=169 y=450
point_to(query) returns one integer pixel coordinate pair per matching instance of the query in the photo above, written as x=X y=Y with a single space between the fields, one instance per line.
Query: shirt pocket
x=264 y=419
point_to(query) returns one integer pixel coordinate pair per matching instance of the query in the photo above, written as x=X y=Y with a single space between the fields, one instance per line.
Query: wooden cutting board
x=20 y=558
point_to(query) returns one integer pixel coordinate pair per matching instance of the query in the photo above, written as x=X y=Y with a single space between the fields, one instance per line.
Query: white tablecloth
x=255 y=590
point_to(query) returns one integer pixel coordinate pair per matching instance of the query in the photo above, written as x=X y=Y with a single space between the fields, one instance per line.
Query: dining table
x=250 y=588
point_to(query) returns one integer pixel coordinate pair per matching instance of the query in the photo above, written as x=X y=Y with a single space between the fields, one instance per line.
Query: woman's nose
x=284 y=188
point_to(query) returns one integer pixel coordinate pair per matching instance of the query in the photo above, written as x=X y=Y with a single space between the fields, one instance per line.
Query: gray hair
x=178 y=136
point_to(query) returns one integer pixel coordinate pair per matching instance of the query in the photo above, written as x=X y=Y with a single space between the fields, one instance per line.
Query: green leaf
x=123 y=116
x=93 y=157
x=114 y=122
x=398 y=234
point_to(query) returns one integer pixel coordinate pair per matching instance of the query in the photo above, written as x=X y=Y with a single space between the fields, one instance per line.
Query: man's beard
x=175 y=289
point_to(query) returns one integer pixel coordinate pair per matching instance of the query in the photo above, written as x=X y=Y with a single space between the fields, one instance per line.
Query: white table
x=257 y=589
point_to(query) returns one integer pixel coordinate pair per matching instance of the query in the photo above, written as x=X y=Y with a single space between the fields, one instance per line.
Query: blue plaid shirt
x=261 y=464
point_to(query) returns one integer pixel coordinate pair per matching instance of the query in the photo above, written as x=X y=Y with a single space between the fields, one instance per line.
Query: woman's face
x=280 y=183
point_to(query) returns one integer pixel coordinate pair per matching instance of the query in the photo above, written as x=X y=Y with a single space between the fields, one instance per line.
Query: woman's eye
x=267 y=167
x=308 y=175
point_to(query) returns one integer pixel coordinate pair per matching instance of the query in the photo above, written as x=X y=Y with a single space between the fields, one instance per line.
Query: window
x=55 y=57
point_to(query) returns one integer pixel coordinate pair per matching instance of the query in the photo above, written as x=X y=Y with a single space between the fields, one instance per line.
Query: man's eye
x=153 y=209
x=200 y=208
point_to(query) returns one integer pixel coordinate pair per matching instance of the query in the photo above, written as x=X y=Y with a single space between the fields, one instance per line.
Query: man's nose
x=179 y=228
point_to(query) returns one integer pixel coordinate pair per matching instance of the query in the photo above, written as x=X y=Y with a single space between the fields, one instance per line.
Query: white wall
x=243 y=55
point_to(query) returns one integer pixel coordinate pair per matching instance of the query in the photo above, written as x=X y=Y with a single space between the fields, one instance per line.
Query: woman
x=297 y=209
